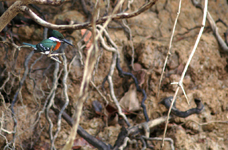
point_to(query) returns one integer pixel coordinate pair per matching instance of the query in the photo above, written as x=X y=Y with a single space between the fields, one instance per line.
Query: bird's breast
x=57 y=46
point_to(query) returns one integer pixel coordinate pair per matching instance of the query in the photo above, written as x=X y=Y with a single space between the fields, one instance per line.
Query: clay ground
x=206 y=78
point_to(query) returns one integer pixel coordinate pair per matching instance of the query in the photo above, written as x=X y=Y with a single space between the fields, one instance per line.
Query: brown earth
x=206 y=78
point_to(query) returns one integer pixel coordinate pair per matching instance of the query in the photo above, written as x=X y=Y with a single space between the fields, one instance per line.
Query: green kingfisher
x=53 y=42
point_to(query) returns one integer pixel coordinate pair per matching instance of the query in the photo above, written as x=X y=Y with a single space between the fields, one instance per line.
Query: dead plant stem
x=180 y=83
x=170 y=46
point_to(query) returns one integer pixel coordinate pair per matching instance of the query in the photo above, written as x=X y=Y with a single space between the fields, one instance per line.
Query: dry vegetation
x=108 y=83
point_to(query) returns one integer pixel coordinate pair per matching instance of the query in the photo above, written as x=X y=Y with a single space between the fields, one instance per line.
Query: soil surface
x=206 y=78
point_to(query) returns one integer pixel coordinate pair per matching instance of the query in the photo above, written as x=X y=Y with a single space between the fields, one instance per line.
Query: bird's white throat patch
x=54 y=39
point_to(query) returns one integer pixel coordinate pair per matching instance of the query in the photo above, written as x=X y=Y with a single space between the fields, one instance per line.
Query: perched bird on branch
x=51 y=44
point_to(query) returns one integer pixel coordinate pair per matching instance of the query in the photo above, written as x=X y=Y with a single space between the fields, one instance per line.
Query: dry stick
x=206 y=123
x=53 y=2
x=90 y=139
x=103 y=43
x=30 y=69
x=15 y=8
x=120 y=70
x=99 y=92
x=140 y=128
x=48 y=2
x=126 y=140
x=1 y=129
x=86 y=24
x=4 y=104
x=186 y=66
x=132 y=46
x=170 y=46
x=149 y=124
x=109 y=18
x=97 y=63
x=109 y=78
x=109 y=40
x=51 y=102
x=54 y=86
x=18 y=91
x=160 y=139
x=65 y=96
x=10 y=13
x=89 y=67
x=221 y=42
x=215 y=31
x=2 y=124
x=4 y=83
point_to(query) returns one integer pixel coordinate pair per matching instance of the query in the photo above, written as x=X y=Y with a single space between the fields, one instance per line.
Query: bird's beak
x=65 y=41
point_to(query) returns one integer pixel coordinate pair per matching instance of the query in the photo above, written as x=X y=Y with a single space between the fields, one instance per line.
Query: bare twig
x=87 y=24
x=51 y=102
x=89 y=66
x=206 y=123
x=48 y=2
x=213 y=25
x=131 y=42
x=126 y=140
x=112 y=67
x=160 y=139
x=90 y=139
x=10 y=13
x=215 y=31
x=170 y=47
x=18 y=91
x=65 y=96
x=137 y=131
x=180 y=83
x=100 y=93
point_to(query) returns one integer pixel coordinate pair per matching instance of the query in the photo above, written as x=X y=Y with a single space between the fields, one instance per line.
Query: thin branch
x=126 y=140
x=65 y=96
x=10 y=13
x=51 y=102
x=215 y=31
x=89 y=67
x=109 y=77
x=99 y=92
x=186 y=66
x=48 y=2
x=160 y=139
x=18 y=91
x=90 y=139
x=86 y=24
x=170 y=47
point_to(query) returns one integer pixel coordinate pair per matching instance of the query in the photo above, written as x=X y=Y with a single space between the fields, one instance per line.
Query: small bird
x=52 y=43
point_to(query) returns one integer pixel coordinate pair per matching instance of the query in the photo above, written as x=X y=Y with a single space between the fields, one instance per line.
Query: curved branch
x=18 y=91
x=213 y=25
x=10 y=13
x=86 y=24
x=49 y=2
x=89 y=138
x=122 y=74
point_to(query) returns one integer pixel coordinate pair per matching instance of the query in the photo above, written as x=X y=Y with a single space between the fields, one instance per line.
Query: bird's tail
x=34 y=46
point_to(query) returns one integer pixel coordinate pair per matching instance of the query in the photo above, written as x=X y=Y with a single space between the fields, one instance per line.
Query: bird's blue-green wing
x=45 y=45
